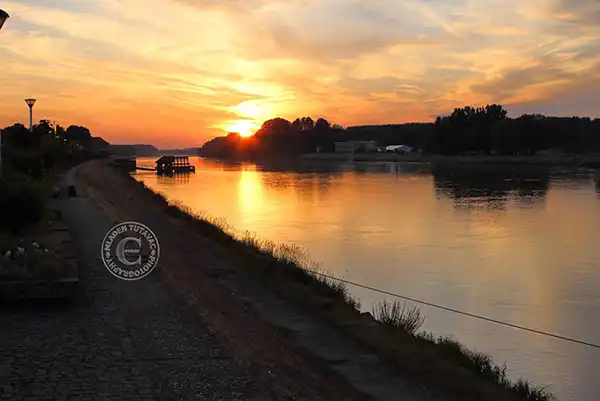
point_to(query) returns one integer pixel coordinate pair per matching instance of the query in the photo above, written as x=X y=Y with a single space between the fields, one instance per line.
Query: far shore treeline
x=468 y=130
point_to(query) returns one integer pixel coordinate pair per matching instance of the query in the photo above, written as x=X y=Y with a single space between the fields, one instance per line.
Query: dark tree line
x=277 y=136
x=43 y=148
x=489 y=131
x=467 y=130
x=280 y=137
x=28 y=159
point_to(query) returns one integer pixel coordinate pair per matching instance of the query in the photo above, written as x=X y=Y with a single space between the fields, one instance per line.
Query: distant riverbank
x=583 y=160
x=577 y=160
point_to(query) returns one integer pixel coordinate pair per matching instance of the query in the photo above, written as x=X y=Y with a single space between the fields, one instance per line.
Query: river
x=517 y=245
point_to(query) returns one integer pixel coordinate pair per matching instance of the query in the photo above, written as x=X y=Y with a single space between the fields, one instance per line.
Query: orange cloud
x=182 y=71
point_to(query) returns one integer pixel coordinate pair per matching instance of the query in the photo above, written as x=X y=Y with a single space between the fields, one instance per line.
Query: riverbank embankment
x=268 y=340
x=293 y=331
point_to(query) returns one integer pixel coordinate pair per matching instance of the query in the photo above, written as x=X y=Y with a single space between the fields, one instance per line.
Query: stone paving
x=120 y=341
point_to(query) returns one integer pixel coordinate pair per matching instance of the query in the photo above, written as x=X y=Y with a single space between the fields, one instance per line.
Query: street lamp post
x=30 y=102
x=3 y=18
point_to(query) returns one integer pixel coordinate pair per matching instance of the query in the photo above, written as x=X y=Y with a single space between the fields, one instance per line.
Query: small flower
x=46 y=250
x=35 y=245
x=20 y=250
x=8 y=254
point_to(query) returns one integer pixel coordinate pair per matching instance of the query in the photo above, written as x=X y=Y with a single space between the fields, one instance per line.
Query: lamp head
x=3 y=17
x=30 y=102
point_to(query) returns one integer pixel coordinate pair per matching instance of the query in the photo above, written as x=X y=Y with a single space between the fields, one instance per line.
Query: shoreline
x=546 y=160
x=442 y=364
x=579 y=160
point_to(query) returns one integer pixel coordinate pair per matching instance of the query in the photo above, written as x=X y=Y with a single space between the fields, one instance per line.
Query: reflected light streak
x=250 y=196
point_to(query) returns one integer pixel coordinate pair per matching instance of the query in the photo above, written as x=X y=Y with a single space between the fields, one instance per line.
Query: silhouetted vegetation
x=29 y=159
x=399 y=315
x=488 y=130
x=408 y=319
x=22 y=202
x=44 y=148
x=466 y=131
x=77 y=134
x=279 y=137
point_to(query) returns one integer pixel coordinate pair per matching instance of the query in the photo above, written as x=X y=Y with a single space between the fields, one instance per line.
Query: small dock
x=166 y=165
x=174 y=165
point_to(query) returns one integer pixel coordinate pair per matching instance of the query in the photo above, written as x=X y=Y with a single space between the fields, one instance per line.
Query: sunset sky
x=178 y=72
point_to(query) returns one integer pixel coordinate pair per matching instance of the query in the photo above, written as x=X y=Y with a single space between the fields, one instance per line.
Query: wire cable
x=445 y=308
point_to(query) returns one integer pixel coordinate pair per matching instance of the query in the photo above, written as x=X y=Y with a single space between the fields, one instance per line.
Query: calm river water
x=517 y=245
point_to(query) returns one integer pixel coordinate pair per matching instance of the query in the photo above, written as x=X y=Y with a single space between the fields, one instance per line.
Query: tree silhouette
x=79 y=134
x=467 y=129
x=322 y=125
x=303 y=124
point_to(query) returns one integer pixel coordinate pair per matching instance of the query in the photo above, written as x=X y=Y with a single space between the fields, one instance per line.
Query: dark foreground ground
x=120 y=341
x=178 y=334
x=199 y=327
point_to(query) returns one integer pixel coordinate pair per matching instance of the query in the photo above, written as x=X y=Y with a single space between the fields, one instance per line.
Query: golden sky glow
x=178 y=72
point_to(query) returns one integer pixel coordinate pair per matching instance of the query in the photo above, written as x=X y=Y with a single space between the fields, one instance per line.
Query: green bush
x=22 y=202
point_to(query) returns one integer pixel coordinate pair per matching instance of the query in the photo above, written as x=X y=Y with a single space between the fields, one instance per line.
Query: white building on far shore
x=399 y=148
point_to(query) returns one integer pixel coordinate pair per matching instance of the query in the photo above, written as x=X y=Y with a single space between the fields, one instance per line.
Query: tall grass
x=399 y=315
x=483 y=365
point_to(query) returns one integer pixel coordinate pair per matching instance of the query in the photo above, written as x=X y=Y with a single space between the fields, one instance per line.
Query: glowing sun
x=245 y=128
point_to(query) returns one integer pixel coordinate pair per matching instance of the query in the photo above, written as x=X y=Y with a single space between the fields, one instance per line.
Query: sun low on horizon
x=245 y=128
x=177 y=73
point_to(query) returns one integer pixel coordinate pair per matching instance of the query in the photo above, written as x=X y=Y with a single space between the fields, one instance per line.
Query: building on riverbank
x=98 y=146
x=399 y=148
